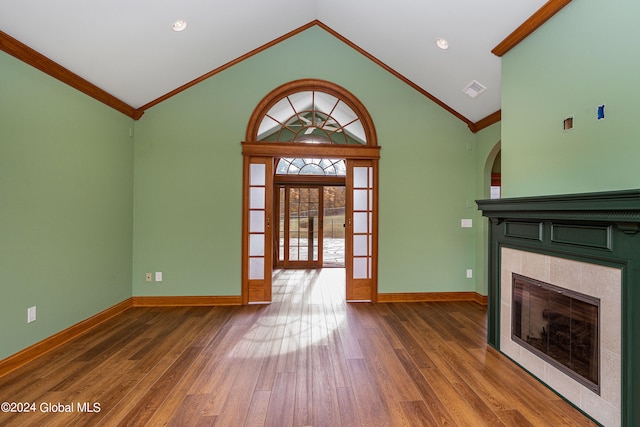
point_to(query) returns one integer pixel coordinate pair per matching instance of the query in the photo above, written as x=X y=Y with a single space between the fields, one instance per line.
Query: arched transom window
x=308 y=166
x=312 y=117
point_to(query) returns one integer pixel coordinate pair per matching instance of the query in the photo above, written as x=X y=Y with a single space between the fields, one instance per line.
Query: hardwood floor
x=308 y=359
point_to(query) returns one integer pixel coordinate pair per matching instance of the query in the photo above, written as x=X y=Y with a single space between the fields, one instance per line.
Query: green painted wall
x=66 y=169
x=487 y=148
x=187 y=184
x=75 y=212
x=586 y=55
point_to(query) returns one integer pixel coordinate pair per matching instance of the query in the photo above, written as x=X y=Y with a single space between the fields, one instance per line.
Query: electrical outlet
x=469 y=273
x=158 y=276
x=31 y=314
x=148 y=277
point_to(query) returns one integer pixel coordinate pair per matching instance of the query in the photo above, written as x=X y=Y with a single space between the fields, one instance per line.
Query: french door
x=304 y=236
x=257 y=229
x=299 y=226
x=361 y=243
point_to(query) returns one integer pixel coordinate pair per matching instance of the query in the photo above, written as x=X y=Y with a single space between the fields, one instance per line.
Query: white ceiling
x=127 y=47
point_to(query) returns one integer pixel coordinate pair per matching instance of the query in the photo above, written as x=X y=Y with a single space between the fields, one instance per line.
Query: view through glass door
x=310 y=226
x=299 y=227
x=333 y=220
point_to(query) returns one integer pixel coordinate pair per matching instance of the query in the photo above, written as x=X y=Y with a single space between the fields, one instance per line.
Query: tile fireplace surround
x=588 y=243
x=589 y=279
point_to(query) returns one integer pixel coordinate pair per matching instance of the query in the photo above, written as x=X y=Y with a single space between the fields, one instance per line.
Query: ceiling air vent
x=474 y=89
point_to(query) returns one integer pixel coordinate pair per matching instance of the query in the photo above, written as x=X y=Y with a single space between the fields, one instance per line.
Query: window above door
x=313 y=117
x=309 y=166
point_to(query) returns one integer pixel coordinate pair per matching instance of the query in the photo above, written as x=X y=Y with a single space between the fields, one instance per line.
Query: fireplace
x=564 y=296
x=559 y=325
x=591 y=280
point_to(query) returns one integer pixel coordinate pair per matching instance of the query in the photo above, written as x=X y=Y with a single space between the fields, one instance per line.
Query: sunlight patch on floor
x=308 y=308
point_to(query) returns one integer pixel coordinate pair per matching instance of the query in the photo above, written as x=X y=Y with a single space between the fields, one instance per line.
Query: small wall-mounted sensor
x=567 y=124
x=600 y=112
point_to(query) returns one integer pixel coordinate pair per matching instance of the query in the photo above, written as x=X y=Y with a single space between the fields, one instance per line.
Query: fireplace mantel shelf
x=621 y=208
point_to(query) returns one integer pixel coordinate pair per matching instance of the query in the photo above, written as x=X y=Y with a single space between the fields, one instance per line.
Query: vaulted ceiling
x=128 y=49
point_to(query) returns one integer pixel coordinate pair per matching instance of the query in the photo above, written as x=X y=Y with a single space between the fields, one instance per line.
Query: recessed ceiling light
x=179 y=25
x=442 y=43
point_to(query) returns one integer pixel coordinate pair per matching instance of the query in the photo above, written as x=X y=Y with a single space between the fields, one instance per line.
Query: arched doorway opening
x=496 y=177
x=491 y=188
x=302 y=138
x=493 y=173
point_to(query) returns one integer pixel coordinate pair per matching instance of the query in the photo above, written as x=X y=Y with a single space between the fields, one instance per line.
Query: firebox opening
x=560 y=326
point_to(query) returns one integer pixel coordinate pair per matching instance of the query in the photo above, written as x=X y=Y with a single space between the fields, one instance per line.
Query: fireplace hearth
x=578 y=335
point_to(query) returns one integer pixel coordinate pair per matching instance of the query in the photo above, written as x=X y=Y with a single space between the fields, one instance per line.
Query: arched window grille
x=312 y=117
x=308 y=166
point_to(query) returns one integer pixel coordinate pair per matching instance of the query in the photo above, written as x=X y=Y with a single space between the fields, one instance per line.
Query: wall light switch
x=158 y=276
x=31 y=314
x=466 y=223
x=469 y=273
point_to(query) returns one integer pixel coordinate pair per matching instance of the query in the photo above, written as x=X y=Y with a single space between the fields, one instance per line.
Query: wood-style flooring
x=307 y=359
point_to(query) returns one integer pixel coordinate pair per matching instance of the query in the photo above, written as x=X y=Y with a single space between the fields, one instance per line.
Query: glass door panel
x=333 y=220
x=281 y=234
x=303 y=223
x=300 y=223
x=257 y=215
x=362 y=190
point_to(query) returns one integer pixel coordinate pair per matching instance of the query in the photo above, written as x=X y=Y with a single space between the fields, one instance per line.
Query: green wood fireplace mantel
x=601 y=228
